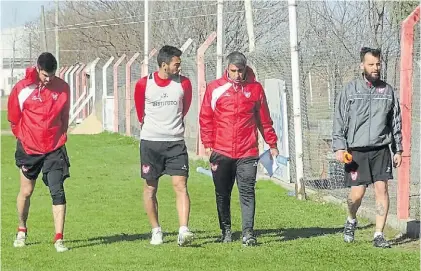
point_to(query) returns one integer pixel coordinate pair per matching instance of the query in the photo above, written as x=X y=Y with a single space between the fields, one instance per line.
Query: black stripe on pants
x=224 y=171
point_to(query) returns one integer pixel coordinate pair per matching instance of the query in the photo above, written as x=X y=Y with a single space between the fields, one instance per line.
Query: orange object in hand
x=347 y=157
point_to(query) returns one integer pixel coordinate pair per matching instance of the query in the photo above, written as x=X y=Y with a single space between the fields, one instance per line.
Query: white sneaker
x=185 y=238
x=59 y=245
x=20 y=239
x=157 y=238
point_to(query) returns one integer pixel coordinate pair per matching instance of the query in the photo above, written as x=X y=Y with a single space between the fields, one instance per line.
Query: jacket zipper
x=41 y=91
x=236 y=120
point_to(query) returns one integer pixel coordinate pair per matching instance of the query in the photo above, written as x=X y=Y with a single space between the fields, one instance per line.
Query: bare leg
x=23 y=200
x=151 y=202
x=182 y=199
x=354 y=200
x=59 y=213
x=382 y=204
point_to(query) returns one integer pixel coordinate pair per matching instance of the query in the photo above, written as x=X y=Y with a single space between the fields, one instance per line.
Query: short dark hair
x=238 y=59
x=47 y=62
x=166 y=53
x=368 y=50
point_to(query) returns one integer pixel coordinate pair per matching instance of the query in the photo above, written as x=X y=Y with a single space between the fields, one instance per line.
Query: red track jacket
x=39 y=115
x=231 y=114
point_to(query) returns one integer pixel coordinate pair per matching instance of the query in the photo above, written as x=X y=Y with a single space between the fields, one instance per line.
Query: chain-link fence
x=328 y=59
x=189 y=69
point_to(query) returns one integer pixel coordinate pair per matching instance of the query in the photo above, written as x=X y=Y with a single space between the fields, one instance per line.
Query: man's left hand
x=397 y=159
x=274 y=152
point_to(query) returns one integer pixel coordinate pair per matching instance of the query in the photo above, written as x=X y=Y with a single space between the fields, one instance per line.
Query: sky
x=25 y=11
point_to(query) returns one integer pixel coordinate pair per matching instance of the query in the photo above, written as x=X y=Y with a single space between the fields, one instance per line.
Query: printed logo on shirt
x=55 y=96
x=380 y=90
x=36 y=98
x=247 y=94
x=164 y=103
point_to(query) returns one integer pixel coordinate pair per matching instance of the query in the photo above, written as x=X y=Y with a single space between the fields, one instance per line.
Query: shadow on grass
x=405 y=239
x=32 y=243
x=283 y=235
x=122 y=237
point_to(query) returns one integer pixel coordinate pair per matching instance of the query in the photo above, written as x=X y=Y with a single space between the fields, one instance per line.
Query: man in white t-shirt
x=162 y=100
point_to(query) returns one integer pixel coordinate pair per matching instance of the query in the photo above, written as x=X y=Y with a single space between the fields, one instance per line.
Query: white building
x=14 y=57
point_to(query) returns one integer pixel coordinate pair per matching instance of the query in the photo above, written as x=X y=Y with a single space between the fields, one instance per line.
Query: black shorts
x=369 y=166
x=32 y=164
x=163 y=157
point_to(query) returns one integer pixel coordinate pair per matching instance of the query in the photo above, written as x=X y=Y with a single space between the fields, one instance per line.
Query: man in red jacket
x=38 y=111
x=234 y=108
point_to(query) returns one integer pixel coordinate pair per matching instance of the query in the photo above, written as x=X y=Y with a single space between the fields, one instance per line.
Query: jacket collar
x=31 y=76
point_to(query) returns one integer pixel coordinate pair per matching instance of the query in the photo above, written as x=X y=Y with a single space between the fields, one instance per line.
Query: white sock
x=352 y=220
x=183 y=229
x=156 y=230
x=378 y=233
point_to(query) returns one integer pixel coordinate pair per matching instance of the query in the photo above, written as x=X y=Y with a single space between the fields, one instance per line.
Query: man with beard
x=367 y=120
x=162 y=100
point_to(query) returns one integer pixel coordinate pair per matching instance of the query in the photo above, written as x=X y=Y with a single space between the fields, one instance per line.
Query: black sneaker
x=226 y=236
x=349 y=231
x=379 y=241
x=249 y=239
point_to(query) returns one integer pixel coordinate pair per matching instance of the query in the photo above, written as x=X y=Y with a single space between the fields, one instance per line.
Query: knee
x=357 y=193
x=381 y=189
x=247 y=188
x=381 y=192
x=55 y=184
x=355 y=199
x=149 y=191
x=180 y=188
x=180 y=185
x=26 y=192
x=222 y=192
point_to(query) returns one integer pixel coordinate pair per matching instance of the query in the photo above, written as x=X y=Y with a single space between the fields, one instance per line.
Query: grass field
x=5 y=125
x=3 y=114
x=107 y=228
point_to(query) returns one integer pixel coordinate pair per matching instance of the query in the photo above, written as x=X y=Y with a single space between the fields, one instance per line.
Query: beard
x=370 y=77
x=173 y=75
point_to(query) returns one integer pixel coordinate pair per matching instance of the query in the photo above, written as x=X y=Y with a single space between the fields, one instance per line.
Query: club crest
x=380 y=90
x=354 y=175
x=145 y=169
x=214 y=167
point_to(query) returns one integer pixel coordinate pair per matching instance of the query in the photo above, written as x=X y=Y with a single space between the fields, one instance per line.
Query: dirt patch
x=5 y=132
x=4 y=102
x=90 y=126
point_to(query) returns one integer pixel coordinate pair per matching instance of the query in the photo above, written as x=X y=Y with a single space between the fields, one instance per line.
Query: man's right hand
x=340 y=155
x=208 y=151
